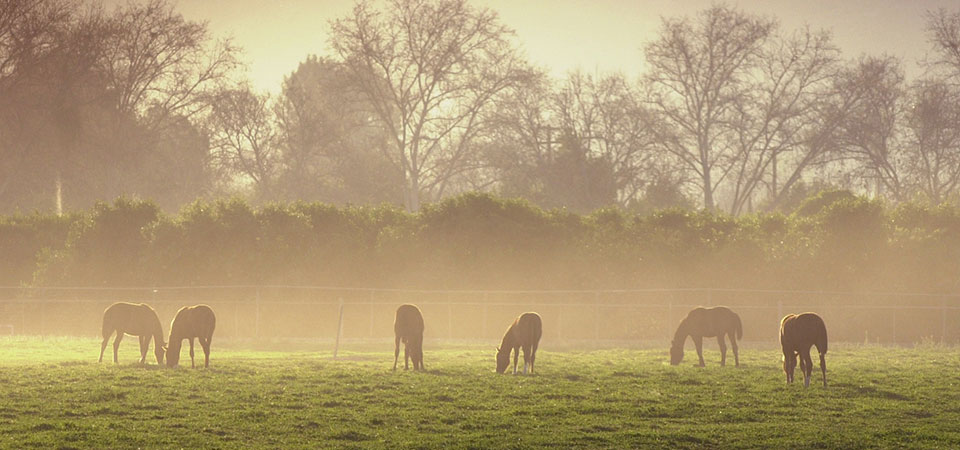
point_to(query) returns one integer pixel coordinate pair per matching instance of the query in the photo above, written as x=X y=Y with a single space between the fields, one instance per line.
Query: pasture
x=55 y=395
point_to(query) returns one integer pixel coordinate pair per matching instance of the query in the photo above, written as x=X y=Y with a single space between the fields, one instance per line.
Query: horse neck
x=682 y=332
x=509 y=339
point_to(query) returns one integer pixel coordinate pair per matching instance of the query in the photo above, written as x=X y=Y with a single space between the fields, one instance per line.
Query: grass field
x=53 y=394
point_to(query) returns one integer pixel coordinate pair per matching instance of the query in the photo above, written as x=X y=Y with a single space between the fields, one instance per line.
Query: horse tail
x=739 y=328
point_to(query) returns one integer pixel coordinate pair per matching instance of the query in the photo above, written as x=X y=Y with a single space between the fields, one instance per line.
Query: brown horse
x=191 y=322
x=702 y=322
x=136 y=320
x=798 y=332
x=408 y=327
x=524 y=333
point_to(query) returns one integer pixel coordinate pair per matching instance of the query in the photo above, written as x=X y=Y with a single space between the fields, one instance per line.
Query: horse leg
x=533 y=356
x=406 y=355
x=698 y=341
x=736 y=352
x=823 y=368
x=192 y=365
x=205 y=345
x=144 y=346
x=116 y=345
x=396 y=352
x=723 y=349
x=526 y=358
x=807 y=367
x=516 y=355
x=103 y=346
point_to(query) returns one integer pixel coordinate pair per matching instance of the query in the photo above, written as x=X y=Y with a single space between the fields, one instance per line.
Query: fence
x=575 y=316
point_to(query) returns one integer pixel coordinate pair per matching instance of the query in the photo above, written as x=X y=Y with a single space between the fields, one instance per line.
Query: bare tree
x=243 y=139
x=781 y=123
x=870 y=131
x=608 y=116
x=154 y=58
x=943 y=30
x=932 y=141
x=698 y=78
x=429 y=68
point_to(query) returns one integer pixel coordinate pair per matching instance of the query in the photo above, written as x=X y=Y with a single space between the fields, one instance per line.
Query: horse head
x=503 y=359
x=676 y=352
x=160 y=349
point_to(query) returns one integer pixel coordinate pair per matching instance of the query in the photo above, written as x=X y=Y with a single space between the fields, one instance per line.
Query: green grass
x=53 y=394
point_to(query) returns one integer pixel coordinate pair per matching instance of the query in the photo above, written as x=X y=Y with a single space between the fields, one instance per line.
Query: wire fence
x=574 y=316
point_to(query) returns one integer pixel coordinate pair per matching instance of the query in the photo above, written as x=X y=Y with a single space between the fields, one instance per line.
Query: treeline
x=833 y=241
x=421 y=100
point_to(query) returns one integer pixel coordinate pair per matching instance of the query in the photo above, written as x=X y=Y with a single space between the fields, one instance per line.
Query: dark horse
x=798 y=332
x=408 y=327
x=524 y=333
x=137 y=319
x=708 y=322
x=191 y=322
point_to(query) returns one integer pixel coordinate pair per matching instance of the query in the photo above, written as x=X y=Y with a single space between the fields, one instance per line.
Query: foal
x=408 y=327
x=136 y=319
x=524 y=333
x=702 y=322
x=798 y=332
x=191 y=322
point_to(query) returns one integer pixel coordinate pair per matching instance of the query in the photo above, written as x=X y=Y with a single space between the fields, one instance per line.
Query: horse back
x=711 y=322
x=803 y=330
x=528 y=329
x=193 y=321
x=409 y=322
x=137 y=319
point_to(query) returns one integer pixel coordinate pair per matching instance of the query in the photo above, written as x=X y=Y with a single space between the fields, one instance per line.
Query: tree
x=429 y=68
x=542 y=131
x=932 y=141
x=331 y=150
x=943 y=30
x=243 y=140
x=870 y=132
x=155 y=59
x=699 y=76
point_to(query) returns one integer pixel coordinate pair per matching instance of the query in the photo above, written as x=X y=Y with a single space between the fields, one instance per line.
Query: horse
x=191 y=322
x=702 y=322
x=798 y=332
x=136 y=320
x=408 y=327
x=524 y=333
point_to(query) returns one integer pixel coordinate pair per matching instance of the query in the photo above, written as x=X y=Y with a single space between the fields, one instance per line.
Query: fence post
x=596 y=315
x=894 y=326
x=336 y=345
x=486 y=306
x=449 y=319
x=236 y=319
x=943 y=320
x=257 y=315
x=560 y=324
x=669 y=315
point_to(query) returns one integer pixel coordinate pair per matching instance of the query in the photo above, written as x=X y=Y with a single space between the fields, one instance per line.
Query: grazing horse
x=798 y=332
x=191 y=322
x=135 y=319
x=408 y=327
x=524 y=333
x=702 y=322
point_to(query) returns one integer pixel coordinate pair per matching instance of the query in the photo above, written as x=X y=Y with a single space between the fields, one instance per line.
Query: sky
x=564 y=35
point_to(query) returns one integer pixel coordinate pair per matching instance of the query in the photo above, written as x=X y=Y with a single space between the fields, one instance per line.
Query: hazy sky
x=562 y=35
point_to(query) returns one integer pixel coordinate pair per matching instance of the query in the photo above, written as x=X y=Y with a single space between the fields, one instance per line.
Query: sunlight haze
x=563 y=35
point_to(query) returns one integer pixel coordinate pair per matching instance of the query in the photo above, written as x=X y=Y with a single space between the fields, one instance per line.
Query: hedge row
x=835 y=241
